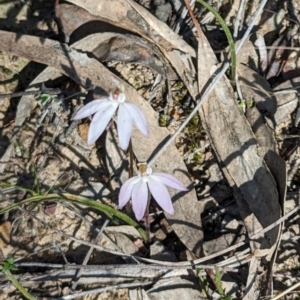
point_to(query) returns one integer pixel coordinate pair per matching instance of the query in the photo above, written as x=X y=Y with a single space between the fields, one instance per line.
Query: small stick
x=238 y=19
x=291 y=288
x=87 y=257
x=123 y=266
x=61 y=252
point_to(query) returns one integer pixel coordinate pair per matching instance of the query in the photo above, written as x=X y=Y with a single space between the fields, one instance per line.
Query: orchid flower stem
x=211 y=86
x=130 y=169
x=147 y=224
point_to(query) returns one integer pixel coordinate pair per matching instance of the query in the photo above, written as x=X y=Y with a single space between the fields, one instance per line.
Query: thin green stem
x=17 y=284
x=228 y=35
x=114 y=214
x=17 y=187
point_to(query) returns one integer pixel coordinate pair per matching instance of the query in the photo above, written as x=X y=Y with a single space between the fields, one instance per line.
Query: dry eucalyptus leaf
x=124 y=243
x=244 y=157
x=263 y=53
x=256 y=94
x=287 y=91
x=269 y=22
x=78 y=23
x=125 y=229
x=254 y=281
x=248 y=55
x=287 y=99
x=258 y=90
x=113 y=46
x=218 y=244
x=177 y=288
x=278 y=54
x=236 y=148
x=135 y=18
x=129 y=48
x=267 y=148
x=186 y=221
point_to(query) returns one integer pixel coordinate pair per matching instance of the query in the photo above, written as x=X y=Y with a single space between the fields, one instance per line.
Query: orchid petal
x=169 y=180
x=124 y=126
x=139 y=199
x=100 y=120
x=161 y=195
x=126 y=190
x=89 y=109
x=138 y=117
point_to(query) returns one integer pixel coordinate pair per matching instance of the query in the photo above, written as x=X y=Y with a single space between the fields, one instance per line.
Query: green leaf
x=203 y=284
x=8 y=265
x=44 y=99
x=219 y=283
x=219 y=287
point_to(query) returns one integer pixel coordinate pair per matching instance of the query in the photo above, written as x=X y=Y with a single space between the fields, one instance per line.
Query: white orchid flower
x=105 y=108
x=137 y=189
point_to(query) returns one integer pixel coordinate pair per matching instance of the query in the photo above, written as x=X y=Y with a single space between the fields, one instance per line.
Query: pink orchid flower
x=105 y=108
x=138 y=187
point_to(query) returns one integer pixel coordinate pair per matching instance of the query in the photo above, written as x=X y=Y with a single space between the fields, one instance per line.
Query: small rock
x=229 y=223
